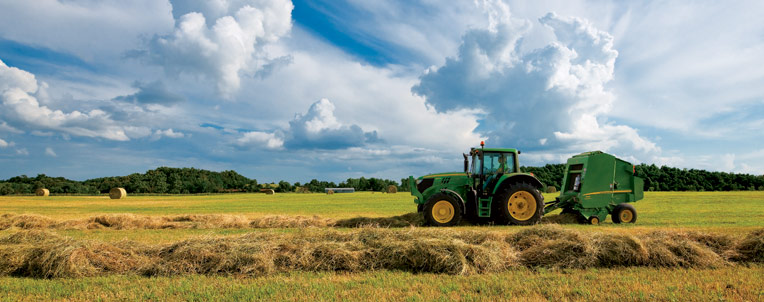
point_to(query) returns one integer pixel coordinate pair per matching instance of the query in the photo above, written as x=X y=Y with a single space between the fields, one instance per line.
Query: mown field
x=727 y=215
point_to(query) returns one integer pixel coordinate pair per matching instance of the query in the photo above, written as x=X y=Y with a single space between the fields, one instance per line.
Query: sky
x=296 y=90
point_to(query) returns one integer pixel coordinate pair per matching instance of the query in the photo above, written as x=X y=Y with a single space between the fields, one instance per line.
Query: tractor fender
x=462 y=204
x=517 y=178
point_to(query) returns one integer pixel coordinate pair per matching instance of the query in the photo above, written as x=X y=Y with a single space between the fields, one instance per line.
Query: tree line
x=164 y=180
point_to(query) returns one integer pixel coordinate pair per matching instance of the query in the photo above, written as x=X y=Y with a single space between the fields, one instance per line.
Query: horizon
x=330 y=90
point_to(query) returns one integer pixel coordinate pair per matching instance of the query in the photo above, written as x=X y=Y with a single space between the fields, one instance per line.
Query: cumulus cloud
x=224 y=48
x=18 y=91
x=552 y=98
x=20 y=95
x=151 y=93
x=4 y=144
x=319 y=128
x=258 y=139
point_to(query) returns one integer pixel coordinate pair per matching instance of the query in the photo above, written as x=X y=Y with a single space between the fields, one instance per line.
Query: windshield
x=498 y=163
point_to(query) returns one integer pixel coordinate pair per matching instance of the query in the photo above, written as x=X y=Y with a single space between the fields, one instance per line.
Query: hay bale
x=330 y=192
x=551 y=189
x=117 y=193
x=42 y=192
x=392 y=189
x=269 y=192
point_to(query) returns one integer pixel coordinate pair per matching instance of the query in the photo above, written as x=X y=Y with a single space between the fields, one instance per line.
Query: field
x=251 y=219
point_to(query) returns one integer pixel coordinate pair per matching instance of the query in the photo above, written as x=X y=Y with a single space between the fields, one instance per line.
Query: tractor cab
x=488 y=165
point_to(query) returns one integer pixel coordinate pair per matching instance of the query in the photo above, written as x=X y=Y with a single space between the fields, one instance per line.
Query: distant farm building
x=340 y=190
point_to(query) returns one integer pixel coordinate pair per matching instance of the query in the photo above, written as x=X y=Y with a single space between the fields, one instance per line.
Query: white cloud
x=168 y=133
x=4 y=144
x=233 y=45
x=4 y=127
x=553 y=99
x=49 y=152
x=20 y=105
x=20 y=95
x=259 y=139
x=22 y=151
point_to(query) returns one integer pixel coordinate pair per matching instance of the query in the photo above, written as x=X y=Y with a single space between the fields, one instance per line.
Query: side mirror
x=466 y=163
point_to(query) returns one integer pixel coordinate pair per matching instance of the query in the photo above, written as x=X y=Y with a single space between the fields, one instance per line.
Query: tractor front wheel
x=624 y=213
x=520 y=204
x=442 y=210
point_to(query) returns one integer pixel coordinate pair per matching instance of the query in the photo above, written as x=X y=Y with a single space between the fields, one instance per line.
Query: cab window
x=498 y=163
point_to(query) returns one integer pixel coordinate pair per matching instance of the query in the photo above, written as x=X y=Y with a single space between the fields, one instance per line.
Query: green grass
x=735 y=213
x=335 y=206
x=630 y=284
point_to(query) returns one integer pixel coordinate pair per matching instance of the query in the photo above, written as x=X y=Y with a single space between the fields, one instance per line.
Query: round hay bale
x=330 y=192
x=117 y=193
x=42 y=192
x=551 y=189
x=392 y=189
x=269 y=191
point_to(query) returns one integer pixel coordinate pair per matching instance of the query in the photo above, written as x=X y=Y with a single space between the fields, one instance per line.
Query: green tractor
x=492 y=187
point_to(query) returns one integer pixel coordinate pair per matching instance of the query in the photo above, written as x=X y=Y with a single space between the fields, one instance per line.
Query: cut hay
x=392 y=189
x=117 y=193
x=42 y=192
x=562 y=218
x=406 y=220
x=751 y=248
x=42 y=254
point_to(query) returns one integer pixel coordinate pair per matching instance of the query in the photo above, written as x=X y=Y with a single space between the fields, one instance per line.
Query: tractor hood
x=446 y=174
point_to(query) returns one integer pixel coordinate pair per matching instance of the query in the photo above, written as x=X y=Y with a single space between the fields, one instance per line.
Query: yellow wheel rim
x=443 y=211
x=626 y=215
x=522 y=205
x=594 y=220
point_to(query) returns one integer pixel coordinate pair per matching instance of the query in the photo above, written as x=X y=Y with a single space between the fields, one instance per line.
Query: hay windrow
x=43 y=254
x=208 y=221
x=751 y=248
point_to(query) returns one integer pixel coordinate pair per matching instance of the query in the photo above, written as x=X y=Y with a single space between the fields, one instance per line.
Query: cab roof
x=497 y=150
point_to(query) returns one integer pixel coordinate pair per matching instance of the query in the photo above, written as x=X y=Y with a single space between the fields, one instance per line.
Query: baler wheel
x=594 y=220
x=442 y=210
x=624 y=213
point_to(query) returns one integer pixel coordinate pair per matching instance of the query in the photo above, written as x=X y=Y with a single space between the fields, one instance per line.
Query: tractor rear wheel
x=520 y=203
x=624 y=213
x=442 y=210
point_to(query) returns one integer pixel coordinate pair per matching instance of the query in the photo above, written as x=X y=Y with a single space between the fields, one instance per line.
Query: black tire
x=624 y=213
x=594 y=220
x=419 y=208
x=437 y=219
x=502 y=205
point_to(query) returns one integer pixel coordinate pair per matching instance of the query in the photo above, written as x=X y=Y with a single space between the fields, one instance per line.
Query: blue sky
x=300 y=89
